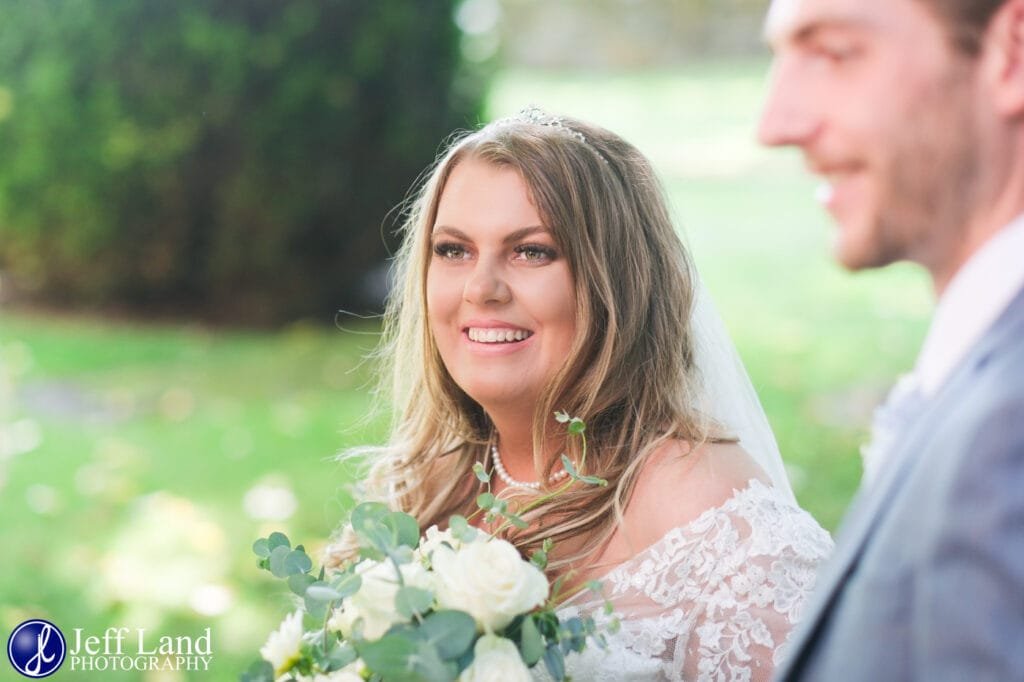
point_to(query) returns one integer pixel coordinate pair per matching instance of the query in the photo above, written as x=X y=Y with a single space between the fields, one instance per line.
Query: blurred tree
x=236 y=159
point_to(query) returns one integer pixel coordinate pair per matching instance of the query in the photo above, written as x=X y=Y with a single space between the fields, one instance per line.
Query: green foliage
x=425 y=643
x=237 y=158
x=259 y=671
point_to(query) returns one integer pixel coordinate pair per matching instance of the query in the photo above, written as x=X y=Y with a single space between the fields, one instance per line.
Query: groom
x=912 y=113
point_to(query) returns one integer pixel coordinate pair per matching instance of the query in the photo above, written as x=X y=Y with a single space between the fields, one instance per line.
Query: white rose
x=489 y=581
x=375 y=600
x=282 y=647
x=495 y=659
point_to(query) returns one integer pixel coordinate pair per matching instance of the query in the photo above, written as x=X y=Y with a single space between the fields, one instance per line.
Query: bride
x=540 y=272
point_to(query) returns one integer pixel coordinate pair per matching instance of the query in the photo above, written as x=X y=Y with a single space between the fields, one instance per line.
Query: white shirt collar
x=976 y=296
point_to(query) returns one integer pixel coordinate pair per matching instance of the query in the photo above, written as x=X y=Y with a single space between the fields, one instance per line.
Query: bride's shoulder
x=679 y=482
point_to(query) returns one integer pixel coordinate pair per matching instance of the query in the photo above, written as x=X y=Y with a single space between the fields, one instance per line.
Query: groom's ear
x=1002 y=59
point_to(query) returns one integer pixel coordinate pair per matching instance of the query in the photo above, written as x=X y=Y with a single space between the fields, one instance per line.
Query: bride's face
x=500 y=298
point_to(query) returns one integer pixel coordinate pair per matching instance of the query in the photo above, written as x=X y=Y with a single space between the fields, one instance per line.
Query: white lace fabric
x=714 y=599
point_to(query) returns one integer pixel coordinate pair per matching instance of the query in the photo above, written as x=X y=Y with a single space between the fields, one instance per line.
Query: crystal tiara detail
x=532 y=114
x=536 y=116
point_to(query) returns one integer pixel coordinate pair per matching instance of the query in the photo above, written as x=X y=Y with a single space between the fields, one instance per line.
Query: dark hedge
x=231 y=159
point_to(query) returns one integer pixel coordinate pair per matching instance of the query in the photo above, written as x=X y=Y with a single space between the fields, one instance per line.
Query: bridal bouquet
x=453 y=604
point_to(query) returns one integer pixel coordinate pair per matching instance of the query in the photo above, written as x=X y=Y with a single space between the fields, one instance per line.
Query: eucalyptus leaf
x=562 y=417
x=539 y=559
x=458 y=525
x=371 y=553
x=260 y=671
x=531 y=644
x=390 y=656
x=298 y=583
x=322 y=593
x=570 y=468
x=413 y=601
x=405 y=530
x=576 y=426
x=430 y=667
x=338 y=656
x=347 y=584
x=375 y=534
x=278 y=540
x=577 y=636
x=261 y=548
x=315 y=610
x=402 y=555
x=485 y=500
x=278 y=557
x=452 y=632
x=517 y=521
x=368 y=511
x=554 y=660
x=297 y=561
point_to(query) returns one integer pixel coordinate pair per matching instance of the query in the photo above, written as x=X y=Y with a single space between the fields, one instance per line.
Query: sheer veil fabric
x=728 y=395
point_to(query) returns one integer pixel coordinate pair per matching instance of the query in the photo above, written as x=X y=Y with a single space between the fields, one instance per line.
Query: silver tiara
x=536 y=116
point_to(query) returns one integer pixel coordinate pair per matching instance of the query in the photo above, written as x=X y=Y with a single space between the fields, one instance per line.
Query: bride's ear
x=1002 y=59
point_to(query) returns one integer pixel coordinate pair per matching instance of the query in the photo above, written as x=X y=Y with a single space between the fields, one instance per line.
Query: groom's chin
x=857 y=247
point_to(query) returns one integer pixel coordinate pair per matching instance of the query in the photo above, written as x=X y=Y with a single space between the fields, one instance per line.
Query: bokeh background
x=197 y=202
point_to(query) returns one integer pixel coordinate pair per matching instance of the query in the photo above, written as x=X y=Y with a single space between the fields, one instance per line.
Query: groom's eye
x=837 y=50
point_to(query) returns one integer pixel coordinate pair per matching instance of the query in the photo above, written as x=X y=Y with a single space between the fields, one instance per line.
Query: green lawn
x=155 y=440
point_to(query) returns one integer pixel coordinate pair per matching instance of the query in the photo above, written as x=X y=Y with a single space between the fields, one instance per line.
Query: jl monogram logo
x=36 y=648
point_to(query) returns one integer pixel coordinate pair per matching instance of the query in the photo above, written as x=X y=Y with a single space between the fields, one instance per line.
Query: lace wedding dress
x=714 y=599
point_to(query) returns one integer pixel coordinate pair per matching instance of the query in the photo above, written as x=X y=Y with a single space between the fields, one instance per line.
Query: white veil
x=729 y=398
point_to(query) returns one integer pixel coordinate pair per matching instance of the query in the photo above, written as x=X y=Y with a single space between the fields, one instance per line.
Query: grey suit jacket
x=927 y=582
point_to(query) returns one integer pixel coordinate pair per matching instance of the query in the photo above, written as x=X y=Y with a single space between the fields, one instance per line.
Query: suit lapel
x=869 y=505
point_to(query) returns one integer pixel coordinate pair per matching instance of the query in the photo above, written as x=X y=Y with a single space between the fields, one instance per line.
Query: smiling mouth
x=491 y=335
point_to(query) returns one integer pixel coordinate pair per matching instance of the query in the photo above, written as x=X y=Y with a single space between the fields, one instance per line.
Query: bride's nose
x=486 y=284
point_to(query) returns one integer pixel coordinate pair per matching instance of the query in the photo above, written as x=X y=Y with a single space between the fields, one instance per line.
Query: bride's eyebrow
x=451 y=231
x=512 y=237
x=524 y=232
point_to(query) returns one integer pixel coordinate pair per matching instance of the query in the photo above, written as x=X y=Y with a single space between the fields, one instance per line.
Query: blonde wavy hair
x=630 y=374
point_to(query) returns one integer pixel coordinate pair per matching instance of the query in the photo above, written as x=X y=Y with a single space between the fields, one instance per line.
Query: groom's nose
x=789 y=113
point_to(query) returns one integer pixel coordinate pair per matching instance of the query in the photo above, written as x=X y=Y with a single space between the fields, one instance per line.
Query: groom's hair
x=966 y=21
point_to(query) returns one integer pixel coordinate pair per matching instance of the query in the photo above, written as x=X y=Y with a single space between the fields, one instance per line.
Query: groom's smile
x=883 y=112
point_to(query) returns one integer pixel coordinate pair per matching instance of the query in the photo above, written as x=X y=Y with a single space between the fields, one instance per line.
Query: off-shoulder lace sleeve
x=712 y=600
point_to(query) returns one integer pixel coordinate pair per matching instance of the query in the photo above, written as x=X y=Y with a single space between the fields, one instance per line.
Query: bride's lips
x=495 y=335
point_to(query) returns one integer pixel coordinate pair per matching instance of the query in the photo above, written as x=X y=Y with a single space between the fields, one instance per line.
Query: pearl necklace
x=499 y=469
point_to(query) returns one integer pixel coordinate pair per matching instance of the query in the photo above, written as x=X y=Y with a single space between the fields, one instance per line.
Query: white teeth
x=497 y=335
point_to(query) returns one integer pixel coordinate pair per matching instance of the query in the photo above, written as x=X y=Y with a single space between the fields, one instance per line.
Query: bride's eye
x=536 y=253
x=450 y=251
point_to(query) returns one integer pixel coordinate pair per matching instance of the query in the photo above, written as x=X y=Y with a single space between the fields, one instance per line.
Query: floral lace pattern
x=714 y=599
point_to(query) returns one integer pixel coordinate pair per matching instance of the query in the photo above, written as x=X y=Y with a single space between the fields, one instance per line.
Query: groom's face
x=883 y=109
